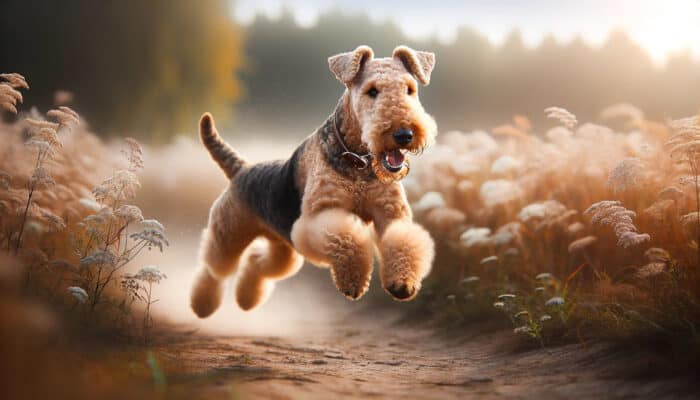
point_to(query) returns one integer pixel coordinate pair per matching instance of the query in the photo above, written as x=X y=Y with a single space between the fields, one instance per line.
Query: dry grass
x=581 y=230
x=66 y=217
x=67 y=230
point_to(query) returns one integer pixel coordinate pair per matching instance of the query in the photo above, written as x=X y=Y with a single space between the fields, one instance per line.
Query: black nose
x=403 y=136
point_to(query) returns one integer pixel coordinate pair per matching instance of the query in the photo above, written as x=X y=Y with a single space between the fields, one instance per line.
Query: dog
x=334 y=200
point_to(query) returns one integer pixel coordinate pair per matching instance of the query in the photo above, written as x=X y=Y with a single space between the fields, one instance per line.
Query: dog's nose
x=403 y=136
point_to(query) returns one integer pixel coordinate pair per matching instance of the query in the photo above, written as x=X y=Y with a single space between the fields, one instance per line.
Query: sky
x=660 y=27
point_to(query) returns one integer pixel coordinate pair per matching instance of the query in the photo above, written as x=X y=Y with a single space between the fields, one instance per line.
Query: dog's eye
x=410 y=90
x=373 y=92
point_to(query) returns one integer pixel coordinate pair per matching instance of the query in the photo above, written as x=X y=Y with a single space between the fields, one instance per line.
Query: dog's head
x=383 y=98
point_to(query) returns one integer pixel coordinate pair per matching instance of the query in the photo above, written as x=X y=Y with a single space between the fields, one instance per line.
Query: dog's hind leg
x=231 y=229
x=264 y=262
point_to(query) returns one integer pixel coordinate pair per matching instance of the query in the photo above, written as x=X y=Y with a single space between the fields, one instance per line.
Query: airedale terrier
x=336 y=197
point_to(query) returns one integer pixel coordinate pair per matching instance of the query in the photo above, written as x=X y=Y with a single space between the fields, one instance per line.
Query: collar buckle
x=359 y=161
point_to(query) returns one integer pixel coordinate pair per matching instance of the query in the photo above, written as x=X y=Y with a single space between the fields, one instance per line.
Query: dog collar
x=359 y=161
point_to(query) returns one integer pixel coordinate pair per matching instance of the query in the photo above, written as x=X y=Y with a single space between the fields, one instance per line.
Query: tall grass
x=72 y=230
x=582 y=225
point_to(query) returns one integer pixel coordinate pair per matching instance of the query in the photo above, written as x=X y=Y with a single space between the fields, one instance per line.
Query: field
x=567 y=265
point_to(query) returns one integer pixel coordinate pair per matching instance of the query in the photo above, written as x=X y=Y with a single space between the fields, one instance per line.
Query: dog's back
x=271 y=191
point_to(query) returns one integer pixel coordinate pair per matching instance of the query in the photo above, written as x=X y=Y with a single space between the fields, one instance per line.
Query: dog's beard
x=386 y=176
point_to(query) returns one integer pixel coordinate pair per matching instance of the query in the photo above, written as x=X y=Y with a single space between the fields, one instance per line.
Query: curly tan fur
x=318 y=204
x=266 y=261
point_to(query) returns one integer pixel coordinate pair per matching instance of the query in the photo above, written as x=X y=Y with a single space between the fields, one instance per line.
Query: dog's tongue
x=394 y=158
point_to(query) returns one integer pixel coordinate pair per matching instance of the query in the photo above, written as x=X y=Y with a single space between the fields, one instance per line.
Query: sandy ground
x=372 y=355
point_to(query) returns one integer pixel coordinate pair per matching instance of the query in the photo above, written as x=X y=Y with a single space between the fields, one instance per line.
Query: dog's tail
x=228 y=159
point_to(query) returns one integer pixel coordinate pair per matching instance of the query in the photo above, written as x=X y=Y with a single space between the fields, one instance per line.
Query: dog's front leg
x=406 y=249
x=342 y=240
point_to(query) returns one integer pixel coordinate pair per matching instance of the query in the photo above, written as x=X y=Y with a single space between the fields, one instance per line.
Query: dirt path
x=308 y=342
x=377 y=357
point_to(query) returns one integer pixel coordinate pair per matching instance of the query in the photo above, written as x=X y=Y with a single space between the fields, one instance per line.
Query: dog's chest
x=361 y=204
x=370 y=199
x=325 y=189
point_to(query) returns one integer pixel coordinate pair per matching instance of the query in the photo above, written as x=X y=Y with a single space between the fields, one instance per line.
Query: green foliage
x=157 y=373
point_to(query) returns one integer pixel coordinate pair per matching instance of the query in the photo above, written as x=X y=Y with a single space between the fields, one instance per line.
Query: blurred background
x=149 y=69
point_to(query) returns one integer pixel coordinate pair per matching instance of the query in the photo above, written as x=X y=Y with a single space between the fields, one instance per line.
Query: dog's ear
x=346 y=66
x=419 y=63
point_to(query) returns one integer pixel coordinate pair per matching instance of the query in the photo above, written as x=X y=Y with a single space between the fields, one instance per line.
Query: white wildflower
x=129 y=213
x=150 y=274
x=102 y=258
x=506 y=234
x=544 y=276
x=429 y=201
x=489 y=260
x=502 y=237
x=90 y=204
x=532 y=211
x=523 y=329
x=505 y=165
x=626 y=175
x=122 y=185
x=78 y=293
x=565 y=117
x=151 y=237
x=499 y=191
x=475 y=237
x=153 y=224
x=554 y=302
x=546 y=215
x=651 y=269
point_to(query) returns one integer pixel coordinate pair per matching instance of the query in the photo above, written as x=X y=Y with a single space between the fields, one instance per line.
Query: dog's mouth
x=393 y=161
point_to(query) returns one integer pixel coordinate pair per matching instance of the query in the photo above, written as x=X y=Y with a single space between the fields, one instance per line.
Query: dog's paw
x=353 y=293
x=206 y=294
x=402 y=291
x=351 y=284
